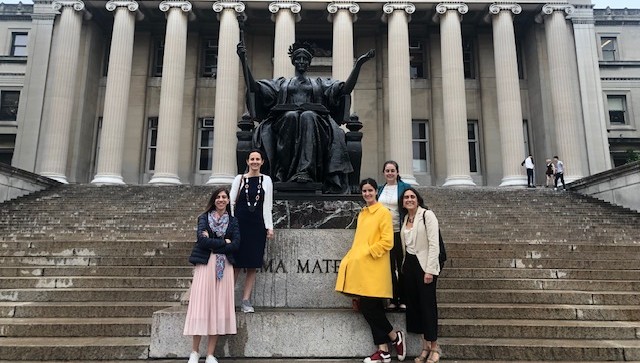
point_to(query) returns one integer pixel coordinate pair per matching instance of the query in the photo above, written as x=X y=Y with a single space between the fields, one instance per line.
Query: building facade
x=459 y=93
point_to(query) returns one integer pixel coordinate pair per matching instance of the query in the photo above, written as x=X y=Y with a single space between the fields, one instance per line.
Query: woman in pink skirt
x=211 y=309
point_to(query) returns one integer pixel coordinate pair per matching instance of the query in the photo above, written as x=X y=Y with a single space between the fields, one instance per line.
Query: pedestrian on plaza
x=364 y=273
x=420 y=241
x=211 y=310
x=559 y=172
x=529 y=165
x=550 y=172
x=388 y=195
x=252 y=203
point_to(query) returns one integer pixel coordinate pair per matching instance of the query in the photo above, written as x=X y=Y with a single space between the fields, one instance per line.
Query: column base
x=165 y=179
x=459 y=181
x=514 y=181
x=108 y=179
x=220 y=179
x=409 y=179
x=55 y=176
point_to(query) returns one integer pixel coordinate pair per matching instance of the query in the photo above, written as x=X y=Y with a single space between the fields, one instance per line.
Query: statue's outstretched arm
x=350 y=83
x=248 y=77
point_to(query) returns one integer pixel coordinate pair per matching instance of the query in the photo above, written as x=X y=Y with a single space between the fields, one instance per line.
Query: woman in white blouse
x=421 y=267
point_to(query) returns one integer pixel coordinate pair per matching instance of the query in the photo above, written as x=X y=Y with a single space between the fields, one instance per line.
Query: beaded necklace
x=252 y=208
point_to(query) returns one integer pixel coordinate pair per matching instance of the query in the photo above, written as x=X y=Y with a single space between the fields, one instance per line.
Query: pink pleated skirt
x=211 y=303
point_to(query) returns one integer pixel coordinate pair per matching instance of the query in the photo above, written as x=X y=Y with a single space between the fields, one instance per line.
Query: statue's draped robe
x=298 y=132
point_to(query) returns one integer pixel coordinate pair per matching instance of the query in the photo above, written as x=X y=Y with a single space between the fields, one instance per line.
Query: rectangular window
x=205 y=144
x=7 y=145
x=158 y=54
x=420 y=135
x=417 y=59
x=468 y=57
x=617 y=109
x=19 y=44
x=474 y=146
x=152 y=142
x=209 y=58
x=609 y=48
x=9 y=105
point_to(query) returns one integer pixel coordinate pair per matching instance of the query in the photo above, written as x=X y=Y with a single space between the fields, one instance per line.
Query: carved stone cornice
x=129 y=4
x=238 y=6
x=496 y=8
x=76 y=4
x=392 y=6
x=351 y=6
x=550 y=8
x=168 y=4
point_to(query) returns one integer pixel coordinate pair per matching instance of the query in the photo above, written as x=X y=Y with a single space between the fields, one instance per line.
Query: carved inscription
x=307 y=266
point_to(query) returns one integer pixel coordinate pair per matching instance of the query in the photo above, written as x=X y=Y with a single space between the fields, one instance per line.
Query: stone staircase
x=532 y=275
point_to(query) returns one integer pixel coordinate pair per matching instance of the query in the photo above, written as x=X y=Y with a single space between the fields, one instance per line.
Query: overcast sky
x=600 y=4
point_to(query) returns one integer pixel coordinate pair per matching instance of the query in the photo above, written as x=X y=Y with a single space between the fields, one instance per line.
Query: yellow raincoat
x=365 y=270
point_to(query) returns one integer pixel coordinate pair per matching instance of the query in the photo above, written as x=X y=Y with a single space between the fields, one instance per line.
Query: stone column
x=453 y=94
x=508 y=91
x=64 y=70
x=227 y=83
x=343 y=14
x=171 y=92
x=397 y=17
x=559 y=52
x=116 y=100
x=285 y=15
x=593 y=109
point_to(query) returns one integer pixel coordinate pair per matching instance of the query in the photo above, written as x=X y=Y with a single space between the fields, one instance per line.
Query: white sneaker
x=246 y=307
x=211 y=359
x=194 y=357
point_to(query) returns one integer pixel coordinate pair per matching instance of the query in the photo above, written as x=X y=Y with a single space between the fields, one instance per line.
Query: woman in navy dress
x=252 y=202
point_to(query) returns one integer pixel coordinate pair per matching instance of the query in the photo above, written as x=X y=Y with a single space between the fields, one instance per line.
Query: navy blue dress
x=254 y=234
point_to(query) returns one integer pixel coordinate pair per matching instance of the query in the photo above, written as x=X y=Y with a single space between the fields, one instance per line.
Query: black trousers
x=422 y=306
x=559 y=176
x=396 y=270
x=530 y=177
x=372 y=308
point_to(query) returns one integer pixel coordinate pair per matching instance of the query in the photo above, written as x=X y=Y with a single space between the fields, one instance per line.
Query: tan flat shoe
x=434 y=352
x=422 y=358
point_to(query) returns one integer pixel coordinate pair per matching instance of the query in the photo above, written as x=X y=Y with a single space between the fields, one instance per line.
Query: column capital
x=76 y=4
x=276 y=6
x=392 y=6
x=442 y=9
x=550 y=8
x=238 y=6
x=129 y=4
x=496 y=8
x=168 y=4
x=334 y=6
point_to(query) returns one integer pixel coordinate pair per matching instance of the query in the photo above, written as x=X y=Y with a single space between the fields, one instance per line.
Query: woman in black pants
x=420 y=239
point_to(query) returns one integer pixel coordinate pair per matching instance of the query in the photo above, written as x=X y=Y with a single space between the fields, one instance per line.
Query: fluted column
x=226 y=107
x=508 y=91
x=285 y=15
x=64 y=70
x=171 y=92
x=453 y=89
x=116 y=100
x=559 y=48
x=343 y=14
x=397 y=17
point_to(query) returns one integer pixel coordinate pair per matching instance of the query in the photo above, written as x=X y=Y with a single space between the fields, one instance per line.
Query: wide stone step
x=543 y=263
x=94 y=282
x=88 y=309
x=70 y=271
x=74 y=348
x=539 y=273
x=573 y=246
x=75 y=327
x=101 y=251
x=118 y=294
x=535 y=254
x=182 y=260
x=540 y=297
x=539 y=311
x=50 y=245
x=539 y=284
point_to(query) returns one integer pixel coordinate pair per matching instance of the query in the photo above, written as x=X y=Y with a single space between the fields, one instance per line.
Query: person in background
x=420 y=238
x=529 y=165
x=550 y=171
x=364 y=273
x=211 y=310
x=559 y=172
x=252 y=203
x=388 y=195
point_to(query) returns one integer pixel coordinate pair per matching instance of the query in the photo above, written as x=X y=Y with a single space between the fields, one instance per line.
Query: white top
x=559 y=167
x=267 y=206
x=528 y=163
x=389 y=198
x=410 y=242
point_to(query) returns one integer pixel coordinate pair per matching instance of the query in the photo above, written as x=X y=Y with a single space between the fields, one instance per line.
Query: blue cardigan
x=205 y=245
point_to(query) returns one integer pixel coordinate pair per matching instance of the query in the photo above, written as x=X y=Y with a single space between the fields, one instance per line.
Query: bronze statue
x=299 y=121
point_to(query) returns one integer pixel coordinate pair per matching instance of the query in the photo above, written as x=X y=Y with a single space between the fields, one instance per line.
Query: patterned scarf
x=219 y=226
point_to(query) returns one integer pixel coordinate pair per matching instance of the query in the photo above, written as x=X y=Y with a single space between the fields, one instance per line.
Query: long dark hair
x=404 y=210
x=371 y=182
x=392 y=162
x=211 y=205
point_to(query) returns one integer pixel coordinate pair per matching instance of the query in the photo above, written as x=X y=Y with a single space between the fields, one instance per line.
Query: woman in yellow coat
x=364 y=273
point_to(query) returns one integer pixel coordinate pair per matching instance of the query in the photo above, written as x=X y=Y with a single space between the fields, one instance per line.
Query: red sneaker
x=378 y=357
x=400 y=346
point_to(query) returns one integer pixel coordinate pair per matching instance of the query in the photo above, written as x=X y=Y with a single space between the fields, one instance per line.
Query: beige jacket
x=427 y=240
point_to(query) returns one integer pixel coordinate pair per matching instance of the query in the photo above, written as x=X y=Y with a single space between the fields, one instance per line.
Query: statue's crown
x=298 y=47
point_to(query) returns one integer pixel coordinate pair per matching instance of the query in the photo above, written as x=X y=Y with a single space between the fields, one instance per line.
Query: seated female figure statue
x=299 y=130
